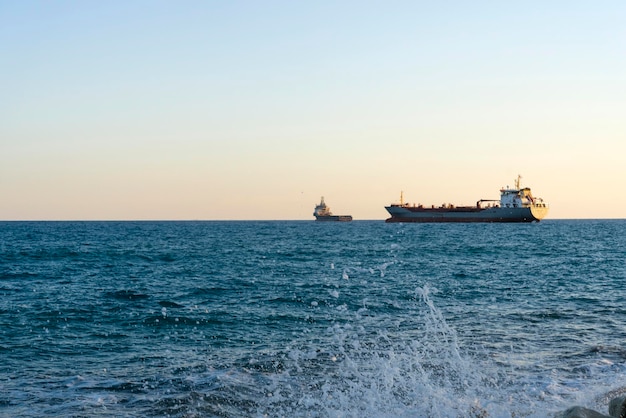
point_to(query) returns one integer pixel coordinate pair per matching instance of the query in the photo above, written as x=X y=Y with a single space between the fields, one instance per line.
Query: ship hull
x=465 y=214
x=334 y=218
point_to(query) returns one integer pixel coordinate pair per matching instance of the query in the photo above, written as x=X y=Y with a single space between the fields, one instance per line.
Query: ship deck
x=443 y=209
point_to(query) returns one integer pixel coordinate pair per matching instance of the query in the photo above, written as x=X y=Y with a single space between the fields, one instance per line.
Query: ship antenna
x=519 y=177
x=401 y=198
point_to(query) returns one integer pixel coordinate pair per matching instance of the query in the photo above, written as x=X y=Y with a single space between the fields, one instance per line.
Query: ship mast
x=517 y=182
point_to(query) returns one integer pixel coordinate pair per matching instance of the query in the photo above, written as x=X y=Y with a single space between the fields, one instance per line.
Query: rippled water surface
x=313 y=319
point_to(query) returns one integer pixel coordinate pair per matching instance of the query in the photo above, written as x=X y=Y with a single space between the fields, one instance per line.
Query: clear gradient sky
x=255 y=109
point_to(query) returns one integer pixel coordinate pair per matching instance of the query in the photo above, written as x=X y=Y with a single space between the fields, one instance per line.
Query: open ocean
x=298 y=318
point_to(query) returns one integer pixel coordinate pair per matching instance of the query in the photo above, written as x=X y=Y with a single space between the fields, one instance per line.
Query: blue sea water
x=270 y=319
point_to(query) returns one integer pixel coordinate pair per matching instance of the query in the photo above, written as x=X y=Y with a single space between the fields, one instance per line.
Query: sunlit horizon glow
x=151 y=110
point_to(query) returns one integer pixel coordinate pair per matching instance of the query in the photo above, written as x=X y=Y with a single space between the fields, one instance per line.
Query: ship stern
x=539 y=212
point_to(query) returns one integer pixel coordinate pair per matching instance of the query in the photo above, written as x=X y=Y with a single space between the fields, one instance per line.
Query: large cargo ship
x=515 y=205
x=323 y=213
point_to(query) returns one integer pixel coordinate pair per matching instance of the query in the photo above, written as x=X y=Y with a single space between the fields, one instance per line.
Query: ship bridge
x=519 y=197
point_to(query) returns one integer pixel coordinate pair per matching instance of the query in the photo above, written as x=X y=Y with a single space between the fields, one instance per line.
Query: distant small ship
x=515 y=205
x=323 y=213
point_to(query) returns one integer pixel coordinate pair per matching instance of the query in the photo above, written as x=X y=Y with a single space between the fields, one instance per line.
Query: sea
x=306 y=319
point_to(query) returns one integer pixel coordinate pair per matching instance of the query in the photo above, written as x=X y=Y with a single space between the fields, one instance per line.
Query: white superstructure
x=519 y=198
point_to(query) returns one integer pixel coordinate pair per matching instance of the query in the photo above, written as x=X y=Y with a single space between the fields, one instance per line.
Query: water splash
x=363 y=371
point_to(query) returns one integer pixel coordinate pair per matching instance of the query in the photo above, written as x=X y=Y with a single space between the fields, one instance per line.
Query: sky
x=253 y=110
